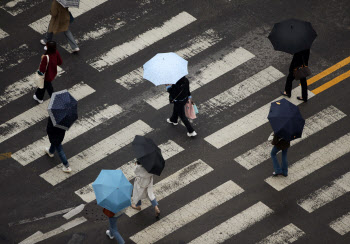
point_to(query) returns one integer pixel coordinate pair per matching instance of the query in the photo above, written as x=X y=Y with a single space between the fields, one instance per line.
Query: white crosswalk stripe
x=311 y=163
x=142 y=41
x=21 y=88
x=169 y=149
x=38 y=113
x=42 y=24
x=208 y=74
x=246 y=124
x=94 y=118
x=342 y=224
x=16 y=7
x=3 y=34
x=97 y=152
x=175 y=182
x=326 y=194
x=288 y=234
x=15 y=56
x=187 y=213
x=235 y=225
x=313 y=125
x=194 y=46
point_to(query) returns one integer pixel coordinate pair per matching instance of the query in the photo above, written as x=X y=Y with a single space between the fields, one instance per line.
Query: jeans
x=154 y=202
x=303 y=83
x=276 y=165
x=179 y=111
x=61 y=154
x=114 y=229
x=69 y=36
x=41 y=92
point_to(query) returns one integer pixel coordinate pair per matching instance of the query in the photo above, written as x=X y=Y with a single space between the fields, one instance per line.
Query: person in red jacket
x=49 y=70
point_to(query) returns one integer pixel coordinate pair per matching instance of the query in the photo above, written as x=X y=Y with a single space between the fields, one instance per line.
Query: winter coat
x=280 y=143
x=56 y=135
x=180 y=91
x=299 y=59
x=51 y=71
x=143 y=185
x=59 y=18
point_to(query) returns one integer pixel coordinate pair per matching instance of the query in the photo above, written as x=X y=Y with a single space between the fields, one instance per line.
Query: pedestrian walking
x=179 y=93
x=279 y=144
x=299 y=59
x=48 y=67
x=56 y=136
x=113 y=229
x=143 y=188
x=60 y=20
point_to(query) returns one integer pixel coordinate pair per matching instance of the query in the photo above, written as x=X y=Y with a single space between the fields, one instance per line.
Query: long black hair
x=51 y=47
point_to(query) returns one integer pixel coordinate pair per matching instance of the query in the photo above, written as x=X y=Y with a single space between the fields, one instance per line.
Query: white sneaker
x=36 y=99
x=66 y=169
x=108 y=233
x=48 y=152
x=191 y=134
x=168 y=120
x=45 y=48
x=42 y=41
x=76 y=50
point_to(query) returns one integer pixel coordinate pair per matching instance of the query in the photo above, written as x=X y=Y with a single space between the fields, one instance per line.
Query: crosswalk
x=221 y=101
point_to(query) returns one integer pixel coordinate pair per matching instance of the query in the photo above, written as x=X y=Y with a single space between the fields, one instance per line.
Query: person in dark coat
x=179 y=94
x=299 y=59
x=56 y=136
x=279 y=144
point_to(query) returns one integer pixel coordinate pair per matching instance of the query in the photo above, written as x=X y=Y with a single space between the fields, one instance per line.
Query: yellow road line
x=331 y=83
x=5 y=155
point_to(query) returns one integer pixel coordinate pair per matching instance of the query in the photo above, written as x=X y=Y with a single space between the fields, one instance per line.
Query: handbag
x=71 y=18
x=301 y=72
x=189 y=110
x=108 y=213
x=40 y=78
x=195 y=108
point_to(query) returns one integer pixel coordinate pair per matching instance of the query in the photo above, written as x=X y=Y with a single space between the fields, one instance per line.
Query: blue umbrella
x=286 y=120
x=112 y=190
x=165 y=68
x=63 y=109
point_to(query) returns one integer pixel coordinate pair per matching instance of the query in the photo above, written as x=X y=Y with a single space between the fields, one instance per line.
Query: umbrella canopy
x=112 y=190
x=292 y=36
x=165 y=68
x=69 y=3
x=286 y=120
x=63 y=109
x=148 y=154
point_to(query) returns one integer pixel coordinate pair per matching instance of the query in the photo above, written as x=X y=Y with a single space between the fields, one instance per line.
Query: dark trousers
x=303 y=83
x=179 y=111
x=41 y=92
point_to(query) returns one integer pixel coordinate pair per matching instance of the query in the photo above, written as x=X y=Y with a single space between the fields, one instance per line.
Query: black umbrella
x=292 y=36
x=148 y=154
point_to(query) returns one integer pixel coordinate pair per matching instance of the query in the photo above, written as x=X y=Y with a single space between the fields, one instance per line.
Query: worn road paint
x=331 y=83
x=342 y=224
x=16 y=56
x=74 y=211
x=16 y=7
x=5 y=155
x=288 y=234
x=3 y=34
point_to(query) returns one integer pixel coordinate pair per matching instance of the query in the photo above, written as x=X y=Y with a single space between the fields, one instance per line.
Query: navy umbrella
x=286 y=120
x=63 y=109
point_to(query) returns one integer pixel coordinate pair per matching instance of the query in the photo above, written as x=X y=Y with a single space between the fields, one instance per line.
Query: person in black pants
x=179 y=94
x=299 y=59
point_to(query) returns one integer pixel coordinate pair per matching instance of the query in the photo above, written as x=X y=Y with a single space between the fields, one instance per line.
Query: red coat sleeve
x=43 y=64
x=59 y=59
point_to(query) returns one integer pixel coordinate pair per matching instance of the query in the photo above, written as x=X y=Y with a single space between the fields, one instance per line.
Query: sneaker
x=108 y=233
x=168 y=120
x=191 y=134
x=45 y=48
x=36 y=99
x=66 y=169
x=42 y=41
x=48 y=152
x=75 y=50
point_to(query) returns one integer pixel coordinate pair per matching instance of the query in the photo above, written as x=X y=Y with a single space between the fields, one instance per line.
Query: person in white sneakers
x=179 y=94
x=113 y=229
x=56 y=136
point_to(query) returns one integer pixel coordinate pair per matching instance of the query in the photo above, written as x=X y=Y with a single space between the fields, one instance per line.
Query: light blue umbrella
x=112 y=190
x=165 y=68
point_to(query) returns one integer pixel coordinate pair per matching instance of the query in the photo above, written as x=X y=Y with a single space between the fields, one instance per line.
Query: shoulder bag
x=108 y=213
x=301 y=72
x=40 y=78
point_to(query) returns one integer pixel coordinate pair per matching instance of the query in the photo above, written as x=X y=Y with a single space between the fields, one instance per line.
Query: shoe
x=36 y=99
x=275 y=174
x=42 y=41
x=66 y=169
x=168 y=120
x=301 y=99
x=191 y=134
x=45 y=48
x=51 y=155
x=108 y=233
x=286 y=95
x=157 y=212
x=285 y=175
x=75 y=50
x=134 y=207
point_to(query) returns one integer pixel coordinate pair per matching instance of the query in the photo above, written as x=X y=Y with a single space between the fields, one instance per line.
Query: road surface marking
x=94 y=118
x=97 y=152
x=326 y=194
x=16 y=7
x=74 y=211
x=175 y=182
x=240 y=91
x=169 y=149
x=235 y=225
x=38 y=113
x=208 y=74
x=195 y=46
x=342 y=224
x=187 y=213
x=311 y=163
x=42 y=24
x=5 y=155
x=246 y=124
x=331 y=83
x=288 y=234
x=142 y=41
x=16 y=56
x=313 y=125
x=21 y=88
x=3 y=34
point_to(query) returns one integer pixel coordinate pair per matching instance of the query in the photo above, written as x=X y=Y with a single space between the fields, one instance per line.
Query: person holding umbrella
x=279 y=144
